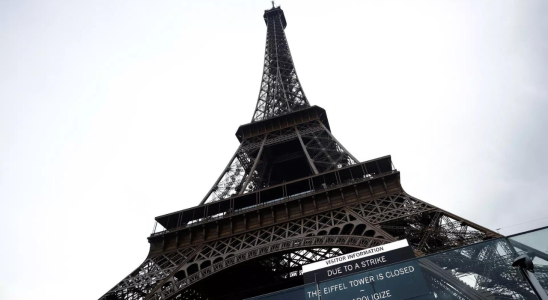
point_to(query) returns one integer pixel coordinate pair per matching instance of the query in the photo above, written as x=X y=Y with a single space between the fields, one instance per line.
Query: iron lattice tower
x=290 y=195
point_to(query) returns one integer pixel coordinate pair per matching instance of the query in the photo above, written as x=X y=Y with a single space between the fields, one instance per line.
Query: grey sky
x=114 y=112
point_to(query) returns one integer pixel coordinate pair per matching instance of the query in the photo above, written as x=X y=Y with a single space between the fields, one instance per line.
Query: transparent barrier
x=535 y=244
x=480 y=271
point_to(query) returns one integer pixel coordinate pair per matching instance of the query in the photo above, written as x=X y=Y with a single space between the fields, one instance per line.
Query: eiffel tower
x=290 y=195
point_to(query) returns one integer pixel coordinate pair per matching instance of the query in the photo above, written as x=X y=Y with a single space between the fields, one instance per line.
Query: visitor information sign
x=395 y=282
x=360 y=275
x=358 y=261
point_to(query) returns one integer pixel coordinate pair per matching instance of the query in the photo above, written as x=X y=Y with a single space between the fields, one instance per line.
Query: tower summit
x=290 y=195
x=281 y=92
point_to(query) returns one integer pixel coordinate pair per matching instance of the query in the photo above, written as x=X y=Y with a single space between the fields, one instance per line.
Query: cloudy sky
x=114 y=112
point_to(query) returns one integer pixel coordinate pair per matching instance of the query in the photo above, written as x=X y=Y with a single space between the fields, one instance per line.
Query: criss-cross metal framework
x=252 y=166
x=281 y=92
x=290 y=195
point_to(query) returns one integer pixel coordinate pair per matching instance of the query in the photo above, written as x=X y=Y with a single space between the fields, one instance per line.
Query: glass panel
x=535 y=244
x=480 y=271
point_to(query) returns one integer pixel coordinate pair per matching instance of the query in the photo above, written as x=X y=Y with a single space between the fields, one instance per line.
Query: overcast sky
x=114 y=112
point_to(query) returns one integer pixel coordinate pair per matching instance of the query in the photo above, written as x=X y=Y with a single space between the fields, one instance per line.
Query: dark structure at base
x=290 y=195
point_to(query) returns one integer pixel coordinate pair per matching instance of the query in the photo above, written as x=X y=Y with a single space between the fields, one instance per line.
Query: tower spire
x=281 y=92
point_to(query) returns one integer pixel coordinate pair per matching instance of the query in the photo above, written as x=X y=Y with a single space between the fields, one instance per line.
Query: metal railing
x=269 y=203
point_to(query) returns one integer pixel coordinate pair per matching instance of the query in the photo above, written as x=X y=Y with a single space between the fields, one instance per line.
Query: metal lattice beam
x=281 y=92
